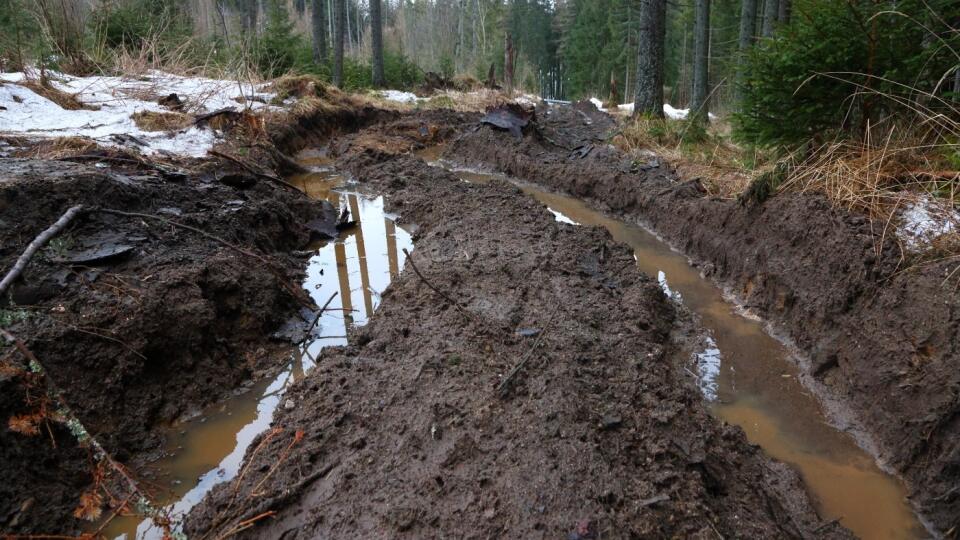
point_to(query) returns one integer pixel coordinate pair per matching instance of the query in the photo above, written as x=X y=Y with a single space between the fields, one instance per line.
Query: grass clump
x=44 y=88
x=161 y=121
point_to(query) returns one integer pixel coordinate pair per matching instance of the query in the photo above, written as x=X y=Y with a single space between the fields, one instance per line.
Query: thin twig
x=252 y=170
x=54 y=392
x=504 y=385
x=317 y=319
x=36 y=244
x=297 y=293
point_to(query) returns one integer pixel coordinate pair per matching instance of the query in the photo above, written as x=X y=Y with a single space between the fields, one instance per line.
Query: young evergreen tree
x=376 y=42
x=650 y=48
x=701 y=49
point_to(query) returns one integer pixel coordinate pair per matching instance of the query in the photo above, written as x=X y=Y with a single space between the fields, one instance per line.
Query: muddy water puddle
x=357 y=266
x=749 y=380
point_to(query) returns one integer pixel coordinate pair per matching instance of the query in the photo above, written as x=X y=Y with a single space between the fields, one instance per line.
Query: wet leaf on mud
x=90 y=507
x=25 y=424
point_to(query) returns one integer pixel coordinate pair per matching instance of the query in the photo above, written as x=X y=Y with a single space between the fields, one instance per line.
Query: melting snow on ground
x=116 y=99
x=668 y=110
x=399 y=96
x=924 y=220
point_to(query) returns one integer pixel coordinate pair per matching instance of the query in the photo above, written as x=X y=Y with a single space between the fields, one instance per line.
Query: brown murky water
x=358 y=265
x=749 y=380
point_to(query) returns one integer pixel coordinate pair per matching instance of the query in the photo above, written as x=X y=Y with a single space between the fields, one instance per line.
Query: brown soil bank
x=136 y=320
x=882 y=342
x=523 y=380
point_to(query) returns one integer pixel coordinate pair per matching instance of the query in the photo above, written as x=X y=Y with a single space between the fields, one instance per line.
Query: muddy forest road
x=527 y=381
x=522 y=377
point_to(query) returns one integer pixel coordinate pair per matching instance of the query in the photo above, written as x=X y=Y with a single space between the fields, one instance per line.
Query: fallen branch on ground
x=253 y=170
x=54 y=393
x=297 y=293
x=317 y=319
x=37 y=243
x=504 y=385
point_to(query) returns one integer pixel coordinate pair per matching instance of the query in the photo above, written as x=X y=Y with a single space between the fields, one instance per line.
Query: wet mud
x=521 y=379
x=878 y=334
x=137 y=322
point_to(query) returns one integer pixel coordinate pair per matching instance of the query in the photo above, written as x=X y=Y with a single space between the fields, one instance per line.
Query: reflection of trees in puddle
x=358 y=265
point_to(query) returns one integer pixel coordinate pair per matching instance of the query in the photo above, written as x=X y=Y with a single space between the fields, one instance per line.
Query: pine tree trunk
x=956 y=85
x=771 y=9
x=376 y=41
x=701 y=44
x=748 y=29
x=318 y=19
x=508 y=63
x=748 y=24
x=340 y=23
x=648 y=99
x=783 y=16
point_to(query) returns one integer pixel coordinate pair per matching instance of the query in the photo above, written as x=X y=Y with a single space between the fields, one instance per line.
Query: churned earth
x=136 y=319
x=521 y=379
x=878 y=326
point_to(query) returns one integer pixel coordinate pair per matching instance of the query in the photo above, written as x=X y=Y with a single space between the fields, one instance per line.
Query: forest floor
x=522 y=378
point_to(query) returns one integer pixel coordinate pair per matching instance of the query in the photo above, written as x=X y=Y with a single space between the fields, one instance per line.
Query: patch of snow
x=527 y=99
x=675 y=114
x=561 y=218
x=597 y=103
x=924 y=220
x=116 y=99
x=708 y=369
x=399 y=96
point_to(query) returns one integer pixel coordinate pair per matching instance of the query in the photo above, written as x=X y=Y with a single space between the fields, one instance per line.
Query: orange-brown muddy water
x=748 y=377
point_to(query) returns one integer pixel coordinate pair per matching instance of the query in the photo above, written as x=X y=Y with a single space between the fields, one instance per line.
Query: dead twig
x=504 y=385
x=54 y=393
x=253 y=170
x=446 y=297
x=317 y=319
x=36 y=244
x=297 y=293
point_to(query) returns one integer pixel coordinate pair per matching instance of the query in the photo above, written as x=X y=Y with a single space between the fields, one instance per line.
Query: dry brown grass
x=161 y=121
x=724 y=168
x=876 y=177
x=302 y=87
x=45 y=88
x=57 y=148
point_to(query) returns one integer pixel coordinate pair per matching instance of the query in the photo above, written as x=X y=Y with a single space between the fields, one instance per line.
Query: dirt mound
x=524 y=380
x=137 y=320
x=827 y=277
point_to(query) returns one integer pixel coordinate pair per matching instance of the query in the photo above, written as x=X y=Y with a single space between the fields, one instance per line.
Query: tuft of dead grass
x=301 y=87
x=44 y=88
x=877 y=177
x=725 y=169
x=161 y=121
x=57 y=148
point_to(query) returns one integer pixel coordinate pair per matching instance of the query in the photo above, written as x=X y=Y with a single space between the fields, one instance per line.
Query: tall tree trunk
x=650 y=48
x=748 y=30
x=318 y=19
x=701 y=43
x=771 y=9
x=508 y=63
x=376 y=42
x=783 y=16
x=340 y=23
x=748 y=24
x=956 y=84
